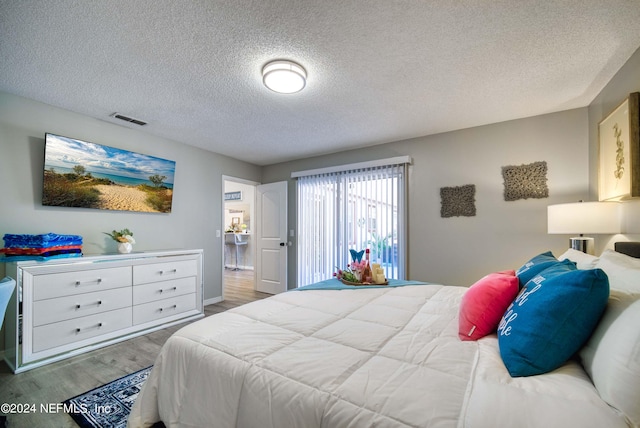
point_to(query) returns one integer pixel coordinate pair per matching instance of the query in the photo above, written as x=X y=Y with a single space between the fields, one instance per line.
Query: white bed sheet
x=387 y=357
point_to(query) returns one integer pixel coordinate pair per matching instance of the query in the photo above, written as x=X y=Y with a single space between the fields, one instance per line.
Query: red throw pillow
x=484 y=304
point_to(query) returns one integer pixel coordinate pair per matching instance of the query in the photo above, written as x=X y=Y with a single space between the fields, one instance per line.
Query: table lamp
x=598 y=218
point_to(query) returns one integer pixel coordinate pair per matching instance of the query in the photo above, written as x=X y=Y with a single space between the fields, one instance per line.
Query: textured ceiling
x=378 y=71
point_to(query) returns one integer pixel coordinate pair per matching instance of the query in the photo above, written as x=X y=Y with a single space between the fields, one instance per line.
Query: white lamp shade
x=584 y=218
x=285 y=77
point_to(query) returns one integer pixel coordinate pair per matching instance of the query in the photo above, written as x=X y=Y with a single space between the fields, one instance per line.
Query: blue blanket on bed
x=334 y=284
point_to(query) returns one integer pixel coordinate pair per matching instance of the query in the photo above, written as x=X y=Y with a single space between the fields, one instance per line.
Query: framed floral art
x=619 y=151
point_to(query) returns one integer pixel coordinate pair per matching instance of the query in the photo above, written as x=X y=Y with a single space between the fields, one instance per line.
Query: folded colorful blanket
x=40 y=258
x=41 y=241
x=20 y=251
x=47 y=253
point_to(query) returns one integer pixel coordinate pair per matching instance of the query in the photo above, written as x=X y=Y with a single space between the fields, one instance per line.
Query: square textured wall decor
x=458 y=201
x=525 y=181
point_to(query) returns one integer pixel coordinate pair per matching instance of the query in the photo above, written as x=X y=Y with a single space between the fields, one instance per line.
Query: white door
x=271 y=239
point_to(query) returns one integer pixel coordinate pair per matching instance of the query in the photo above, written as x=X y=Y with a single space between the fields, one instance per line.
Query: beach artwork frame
x=82 y=174
x=619 y=151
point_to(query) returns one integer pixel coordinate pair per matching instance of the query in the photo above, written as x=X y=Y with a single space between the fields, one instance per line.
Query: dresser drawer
x=80 y=305
x=143 y=274
x=64 y=332
x=82 y=281
x=163 y=290
x=163 y=308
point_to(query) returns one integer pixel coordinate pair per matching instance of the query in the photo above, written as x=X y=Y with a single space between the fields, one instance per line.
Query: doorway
x=239 y=220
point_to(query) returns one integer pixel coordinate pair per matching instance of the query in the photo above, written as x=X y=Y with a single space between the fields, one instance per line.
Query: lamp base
x=580 y=243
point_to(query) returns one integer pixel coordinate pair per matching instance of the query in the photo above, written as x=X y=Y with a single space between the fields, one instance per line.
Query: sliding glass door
x=351 y=209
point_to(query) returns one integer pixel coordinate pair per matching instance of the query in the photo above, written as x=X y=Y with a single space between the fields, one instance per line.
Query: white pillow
x=623 y=271
x=612 y=355
x=582 y=260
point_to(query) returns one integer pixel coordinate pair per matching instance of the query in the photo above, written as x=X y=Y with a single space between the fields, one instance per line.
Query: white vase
x=124 y=247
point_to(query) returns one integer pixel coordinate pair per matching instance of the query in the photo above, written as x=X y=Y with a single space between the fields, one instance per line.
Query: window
x=354 y=207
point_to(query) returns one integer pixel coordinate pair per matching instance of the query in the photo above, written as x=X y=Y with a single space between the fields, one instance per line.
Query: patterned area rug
x=108 y=405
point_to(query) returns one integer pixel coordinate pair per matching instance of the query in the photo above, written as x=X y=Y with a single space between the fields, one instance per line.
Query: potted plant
x=124 y=238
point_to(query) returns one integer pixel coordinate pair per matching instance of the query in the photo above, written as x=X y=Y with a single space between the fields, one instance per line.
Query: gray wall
x=197 y=202
x=626 y=81
x=502 y=235
x=454 y=251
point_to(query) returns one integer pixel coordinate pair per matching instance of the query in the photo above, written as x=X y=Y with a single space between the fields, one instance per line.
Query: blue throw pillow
x=551 y=318
x=535 y=266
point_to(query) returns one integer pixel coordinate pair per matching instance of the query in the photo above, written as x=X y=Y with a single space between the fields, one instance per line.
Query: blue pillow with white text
x=534 y=266
x=551 y=318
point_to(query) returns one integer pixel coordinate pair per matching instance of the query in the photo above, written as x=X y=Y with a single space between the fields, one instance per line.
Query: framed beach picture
x=619 y=152
x=88 y=175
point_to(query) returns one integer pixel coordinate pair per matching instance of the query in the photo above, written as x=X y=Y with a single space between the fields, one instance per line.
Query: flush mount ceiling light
x=285 y=77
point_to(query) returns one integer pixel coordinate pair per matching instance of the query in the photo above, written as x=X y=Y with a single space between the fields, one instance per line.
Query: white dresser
x=66 y=307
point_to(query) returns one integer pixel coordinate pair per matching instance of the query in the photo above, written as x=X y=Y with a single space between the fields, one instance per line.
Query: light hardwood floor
x=59 y=381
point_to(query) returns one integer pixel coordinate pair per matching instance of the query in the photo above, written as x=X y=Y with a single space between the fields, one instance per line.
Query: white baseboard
x=213 y=300
x=241 y=267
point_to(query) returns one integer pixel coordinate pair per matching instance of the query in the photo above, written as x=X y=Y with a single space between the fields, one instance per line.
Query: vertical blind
x=359 y=208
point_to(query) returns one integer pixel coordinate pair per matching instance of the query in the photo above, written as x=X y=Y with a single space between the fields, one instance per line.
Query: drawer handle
x=170 y=307
x=169 y=289
x=78 y=330
x=163 y=272
x=99 y=302
x=99 y=280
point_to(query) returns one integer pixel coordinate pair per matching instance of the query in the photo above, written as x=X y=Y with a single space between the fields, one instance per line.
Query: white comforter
x=387 y=357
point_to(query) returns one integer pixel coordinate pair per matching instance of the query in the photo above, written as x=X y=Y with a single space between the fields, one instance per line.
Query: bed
x=392 y=357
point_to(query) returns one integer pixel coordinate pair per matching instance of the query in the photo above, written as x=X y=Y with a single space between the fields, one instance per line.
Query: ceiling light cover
x=284 y=77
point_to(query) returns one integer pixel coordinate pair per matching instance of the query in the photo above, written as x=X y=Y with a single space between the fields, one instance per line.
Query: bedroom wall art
x=619 y=151
x=458 y=201
x=88 y=175
x=525 y=181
